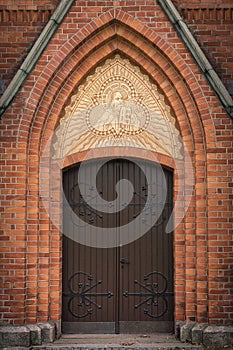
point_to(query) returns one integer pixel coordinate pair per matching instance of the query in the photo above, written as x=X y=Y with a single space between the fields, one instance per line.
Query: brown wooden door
x=121 y=278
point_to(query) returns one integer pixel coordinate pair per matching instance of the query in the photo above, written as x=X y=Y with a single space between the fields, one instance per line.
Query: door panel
x=126 y=288
x=148 y=270
x=89 y=286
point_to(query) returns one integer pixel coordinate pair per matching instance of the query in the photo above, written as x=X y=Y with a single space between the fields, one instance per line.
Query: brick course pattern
x=92 y=31
x=212 y=27
x=210 y=22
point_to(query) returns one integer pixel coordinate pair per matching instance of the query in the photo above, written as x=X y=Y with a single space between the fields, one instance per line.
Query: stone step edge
x=210 y=336
x=106 y=347
x=185 y=346
x=28 y=335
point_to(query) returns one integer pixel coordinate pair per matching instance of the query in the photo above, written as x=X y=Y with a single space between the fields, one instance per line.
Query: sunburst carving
x=117 y=106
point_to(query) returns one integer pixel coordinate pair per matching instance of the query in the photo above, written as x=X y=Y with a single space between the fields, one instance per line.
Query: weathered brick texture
x=212 y=25
x=92 y=31
x=21 y=23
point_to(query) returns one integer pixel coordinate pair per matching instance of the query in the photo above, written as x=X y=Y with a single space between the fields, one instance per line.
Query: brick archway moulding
x=110 y=152
x=118 y=24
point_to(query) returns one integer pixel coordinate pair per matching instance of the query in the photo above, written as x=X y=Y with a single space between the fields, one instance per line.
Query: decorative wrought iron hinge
x=155 y=295
x=145 y=203
x=82 y=298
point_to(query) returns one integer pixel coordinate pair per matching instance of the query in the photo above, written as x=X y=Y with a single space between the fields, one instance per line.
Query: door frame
x=160 y=159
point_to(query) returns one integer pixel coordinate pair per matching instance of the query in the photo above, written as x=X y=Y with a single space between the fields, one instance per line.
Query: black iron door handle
x=124 y=261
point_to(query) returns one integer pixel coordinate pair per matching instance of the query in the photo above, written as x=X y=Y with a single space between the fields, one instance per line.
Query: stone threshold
x=116 y=342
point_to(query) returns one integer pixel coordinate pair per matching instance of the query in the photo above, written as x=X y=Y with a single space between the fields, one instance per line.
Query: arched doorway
x=117 y=256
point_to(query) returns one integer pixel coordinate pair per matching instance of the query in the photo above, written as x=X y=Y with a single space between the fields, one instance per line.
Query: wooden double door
x=120 y=280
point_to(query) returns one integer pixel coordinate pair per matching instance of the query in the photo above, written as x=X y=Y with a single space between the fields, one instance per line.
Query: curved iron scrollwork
x=80 y=295
x=142 y=202
x=155 y=294
x=84 y=209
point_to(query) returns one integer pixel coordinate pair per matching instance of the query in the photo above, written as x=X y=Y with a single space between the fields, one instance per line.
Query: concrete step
x=30 y=337
x=106 y=347
x=118 y=342
x=111 y=347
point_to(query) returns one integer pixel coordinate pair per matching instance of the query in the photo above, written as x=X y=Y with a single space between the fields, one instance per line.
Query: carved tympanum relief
x=117 y=106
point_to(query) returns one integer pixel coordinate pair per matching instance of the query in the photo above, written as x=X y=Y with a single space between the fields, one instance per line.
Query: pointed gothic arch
x=53 y=84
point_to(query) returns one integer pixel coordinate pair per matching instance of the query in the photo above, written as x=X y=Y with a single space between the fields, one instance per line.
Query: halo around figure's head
x=117 y=97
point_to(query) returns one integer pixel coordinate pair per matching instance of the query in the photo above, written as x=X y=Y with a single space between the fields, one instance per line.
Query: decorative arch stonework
x=51 y=87
x=117 y=106
x=109 y=152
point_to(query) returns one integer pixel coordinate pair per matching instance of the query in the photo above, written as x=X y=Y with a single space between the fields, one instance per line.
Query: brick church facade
x=76 y=42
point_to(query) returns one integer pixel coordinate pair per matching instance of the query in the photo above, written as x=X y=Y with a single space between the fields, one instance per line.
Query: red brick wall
x=212 y=25
x=21 y=22
x=31 y=244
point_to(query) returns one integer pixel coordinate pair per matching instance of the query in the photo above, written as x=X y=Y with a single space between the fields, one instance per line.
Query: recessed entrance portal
x=124 y=284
